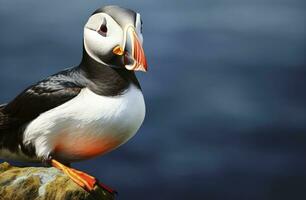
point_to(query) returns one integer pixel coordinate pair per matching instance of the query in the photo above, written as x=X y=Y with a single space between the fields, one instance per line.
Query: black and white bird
x=84 y=111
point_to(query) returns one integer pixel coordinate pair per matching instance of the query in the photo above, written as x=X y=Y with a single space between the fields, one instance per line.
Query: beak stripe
x=139 y=55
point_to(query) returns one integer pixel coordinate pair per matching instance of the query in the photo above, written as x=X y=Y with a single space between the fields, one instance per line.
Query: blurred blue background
x=225 y=93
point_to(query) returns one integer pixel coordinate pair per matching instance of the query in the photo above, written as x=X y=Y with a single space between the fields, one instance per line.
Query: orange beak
x=139 y=55
x=134 y=56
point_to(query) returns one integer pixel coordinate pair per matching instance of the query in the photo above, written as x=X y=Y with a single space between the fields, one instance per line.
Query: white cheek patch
x=92 y=41
x=98 y=46
x=94 y=22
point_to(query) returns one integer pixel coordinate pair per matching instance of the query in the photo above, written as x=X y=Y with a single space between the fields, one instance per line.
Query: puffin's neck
x=106 y=81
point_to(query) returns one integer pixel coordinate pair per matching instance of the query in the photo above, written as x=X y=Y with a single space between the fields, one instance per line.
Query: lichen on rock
x=40 y=183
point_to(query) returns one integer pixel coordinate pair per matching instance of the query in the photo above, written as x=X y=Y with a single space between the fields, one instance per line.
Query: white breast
x=88 y=125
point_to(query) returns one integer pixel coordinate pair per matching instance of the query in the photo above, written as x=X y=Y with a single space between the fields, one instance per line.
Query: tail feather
x=11 y=146
x=2 y=106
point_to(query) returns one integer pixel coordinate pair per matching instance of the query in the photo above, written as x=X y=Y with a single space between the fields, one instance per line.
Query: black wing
x=40 y=98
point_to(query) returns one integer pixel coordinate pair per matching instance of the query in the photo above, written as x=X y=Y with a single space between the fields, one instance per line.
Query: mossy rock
x=40 y=183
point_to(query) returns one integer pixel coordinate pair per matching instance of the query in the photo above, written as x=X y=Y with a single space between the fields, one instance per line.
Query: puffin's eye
x=103 y=30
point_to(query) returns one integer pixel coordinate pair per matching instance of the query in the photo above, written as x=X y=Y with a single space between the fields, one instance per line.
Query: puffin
x=84 y=111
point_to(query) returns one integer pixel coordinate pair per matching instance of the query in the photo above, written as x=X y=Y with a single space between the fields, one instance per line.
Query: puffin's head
x=113 y=37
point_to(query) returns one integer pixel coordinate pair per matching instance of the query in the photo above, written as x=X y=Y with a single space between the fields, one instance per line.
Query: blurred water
x=225 y=93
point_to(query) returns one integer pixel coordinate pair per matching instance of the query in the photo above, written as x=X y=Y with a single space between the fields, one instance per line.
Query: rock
x=39 y=183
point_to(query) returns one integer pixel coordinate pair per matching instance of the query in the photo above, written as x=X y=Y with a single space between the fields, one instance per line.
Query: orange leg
x=82 y=179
